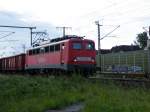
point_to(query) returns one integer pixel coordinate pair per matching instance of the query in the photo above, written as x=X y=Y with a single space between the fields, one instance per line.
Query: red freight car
x=67 y=53
x=13 y=63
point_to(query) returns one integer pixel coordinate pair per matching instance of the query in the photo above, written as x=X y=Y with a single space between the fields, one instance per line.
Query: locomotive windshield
x=77 y=46
x=89 y=46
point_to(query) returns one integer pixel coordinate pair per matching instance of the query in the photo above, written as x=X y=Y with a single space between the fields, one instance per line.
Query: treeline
x=121 y=48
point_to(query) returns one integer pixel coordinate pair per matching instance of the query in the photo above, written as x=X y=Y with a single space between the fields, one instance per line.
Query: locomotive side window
x=52 y=48
x=34 y=51
x=77 y=46
x=57 y=47
x=30 y=52
x=42 y=50
x=89 y=46
x=37 y=51
x=46 y=49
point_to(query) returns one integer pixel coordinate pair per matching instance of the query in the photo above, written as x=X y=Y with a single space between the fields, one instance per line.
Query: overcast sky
x=81 y=15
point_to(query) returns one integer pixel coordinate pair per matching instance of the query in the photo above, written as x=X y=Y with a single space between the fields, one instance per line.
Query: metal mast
x=64 y=29
x=99 y=43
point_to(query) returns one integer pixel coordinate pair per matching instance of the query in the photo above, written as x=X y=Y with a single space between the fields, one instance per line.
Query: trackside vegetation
x=39 y=94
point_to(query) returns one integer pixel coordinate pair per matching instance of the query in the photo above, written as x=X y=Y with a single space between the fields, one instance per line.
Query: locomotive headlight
x=75 y=60
x=92 y=59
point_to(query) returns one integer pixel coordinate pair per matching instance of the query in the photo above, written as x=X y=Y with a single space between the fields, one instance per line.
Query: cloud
x=22 y=35
x=132 y=15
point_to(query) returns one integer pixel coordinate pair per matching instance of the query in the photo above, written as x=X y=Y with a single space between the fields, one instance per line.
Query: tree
x=141 y=40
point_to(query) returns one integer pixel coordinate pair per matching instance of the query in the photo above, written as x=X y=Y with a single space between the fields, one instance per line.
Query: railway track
x=131 y=82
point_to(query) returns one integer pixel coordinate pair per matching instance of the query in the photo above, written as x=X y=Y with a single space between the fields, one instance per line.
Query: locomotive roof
x=60 y=40
x=66 y=38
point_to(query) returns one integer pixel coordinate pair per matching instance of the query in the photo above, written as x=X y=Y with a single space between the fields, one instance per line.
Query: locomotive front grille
x=84 y=59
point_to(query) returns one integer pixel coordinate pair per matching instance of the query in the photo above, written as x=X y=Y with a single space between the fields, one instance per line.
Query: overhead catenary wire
x=125 y=13
x=105 y=8
x=110 y=32
x=7 y=35
x=3 y=32
x=118 y=14
x=9 y=40
x=103 y=13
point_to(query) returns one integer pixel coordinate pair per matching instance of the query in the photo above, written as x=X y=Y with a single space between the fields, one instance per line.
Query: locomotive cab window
x=89 y=46
x=77 y=46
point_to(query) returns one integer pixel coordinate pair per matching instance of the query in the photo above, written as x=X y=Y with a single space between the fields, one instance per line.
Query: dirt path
x=73 y=108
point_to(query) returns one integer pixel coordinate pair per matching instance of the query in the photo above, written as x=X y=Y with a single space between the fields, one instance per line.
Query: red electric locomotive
x=68 y=53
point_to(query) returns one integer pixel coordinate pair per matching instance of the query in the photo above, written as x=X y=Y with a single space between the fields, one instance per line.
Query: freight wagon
x=13 y=63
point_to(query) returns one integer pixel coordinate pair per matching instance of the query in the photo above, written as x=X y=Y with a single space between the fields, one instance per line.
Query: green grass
x=38 y=94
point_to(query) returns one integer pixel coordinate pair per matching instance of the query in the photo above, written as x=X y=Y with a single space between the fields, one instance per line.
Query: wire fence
x=125 y=62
